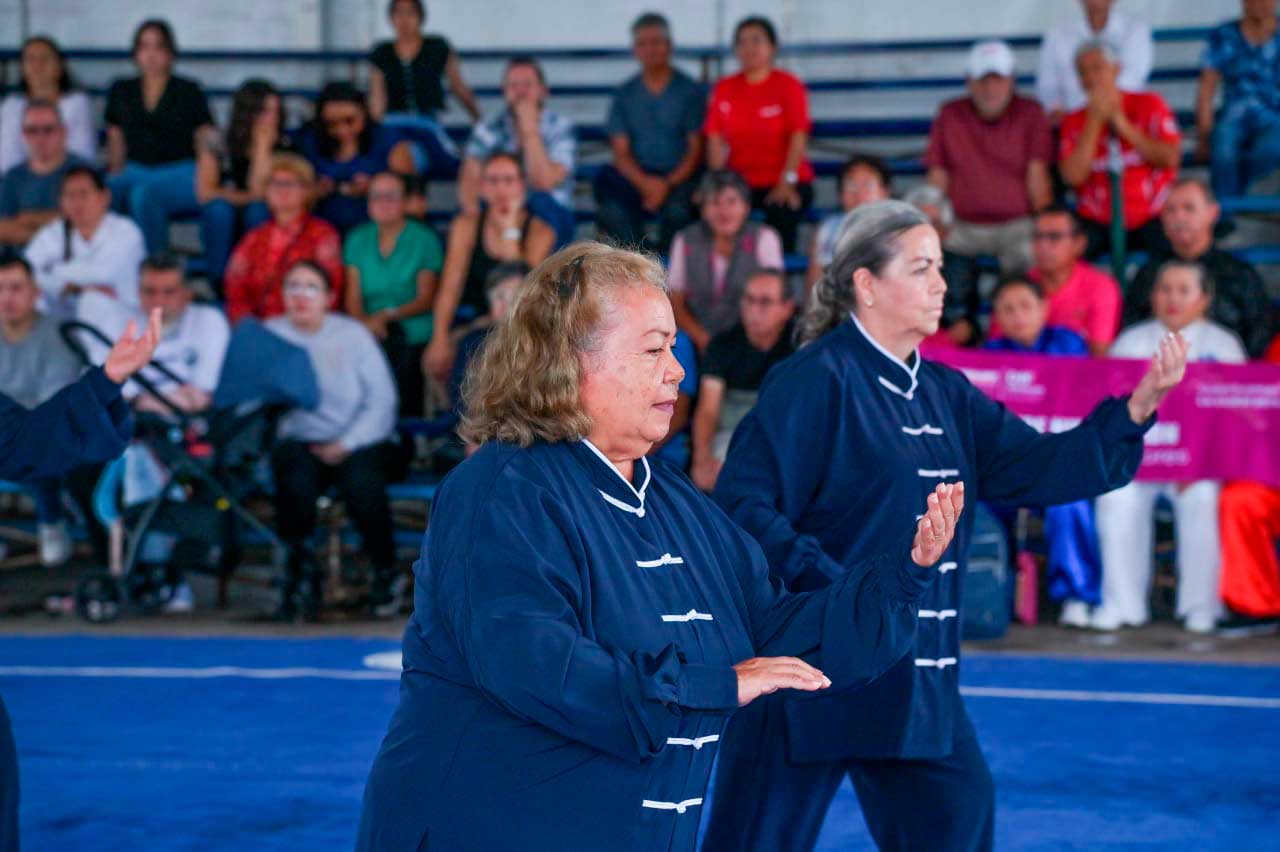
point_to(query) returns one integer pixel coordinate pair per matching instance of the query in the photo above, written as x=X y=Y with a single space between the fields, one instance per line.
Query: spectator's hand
x=938 y=526
x=766 y=675
x=784 y=194
x=437 y=358
x=265 y=133
x=377 y=324
x=705 y=472
x=527 y=113
x=505 y=217
x=1100 y=106
x=332 y=453
x=653 y=191
x=191 y=398
x=131 y=354
x=1168 y=366
x=1202 y=147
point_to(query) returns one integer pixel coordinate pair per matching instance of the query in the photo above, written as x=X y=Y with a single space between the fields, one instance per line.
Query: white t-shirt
x=111 y=256
x=82 y=136
x=1058 y=83
x=1206 y=341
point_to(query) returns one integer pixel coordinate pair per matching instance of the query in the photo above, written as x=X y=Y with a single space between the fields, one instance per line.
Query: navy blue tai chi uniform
x=86 y=422
x=844 y=440
x=568 y=666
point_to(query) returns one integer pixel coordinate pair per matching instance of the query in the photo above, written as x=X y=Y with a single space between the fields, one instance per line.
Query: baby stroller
x=210 y=464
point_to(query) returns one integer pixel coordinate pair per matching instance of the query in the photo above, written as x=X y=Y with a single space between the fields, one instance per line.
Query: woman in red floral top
x=258 y=264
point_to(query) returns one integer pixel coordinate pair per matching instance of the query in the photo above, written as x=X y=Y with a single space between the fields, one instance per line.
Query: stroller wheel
x=100 y=598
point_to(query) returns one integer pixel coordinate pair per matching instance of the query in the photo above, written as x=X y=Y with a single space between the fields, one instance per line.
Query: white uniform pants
x=1126 y=532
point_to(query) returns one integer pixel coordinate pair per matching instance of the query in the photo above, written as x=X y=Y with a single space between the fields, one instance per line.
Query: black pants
x=620 y=213
x=1148 y=238
x=782 y=218
x=8 y=785
x=361 y=480
x=763 y=801
x=80 y=484
x=405 y=360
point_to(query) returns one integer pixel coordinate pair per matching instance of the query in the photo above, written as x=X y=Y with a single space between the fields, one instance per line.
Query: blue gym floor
x=262 y=744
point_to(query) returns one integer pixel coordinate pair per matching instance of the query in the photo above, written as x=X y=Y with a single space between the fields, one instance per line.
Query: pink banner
x=1222 y=422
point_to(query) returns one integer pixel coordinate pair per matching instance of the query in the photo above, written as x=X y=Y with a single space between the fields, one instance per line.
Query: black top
x=414 y=86
x=482 y=263
x=166 y=134
x=1240 y=301
x=730 y=356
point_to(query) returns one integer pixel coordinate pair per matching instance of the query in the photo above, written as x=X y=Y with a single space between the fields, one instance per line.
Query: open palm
x=130 y=354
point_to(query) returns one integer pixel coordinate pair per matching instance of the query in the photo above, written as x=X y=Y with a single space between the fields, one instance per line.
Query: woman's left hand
x=1168 y=366
x=784 y=194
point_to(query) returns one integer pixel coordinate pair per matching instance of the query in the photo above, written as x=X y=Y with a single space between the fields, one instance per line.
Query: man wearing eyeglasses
x=29 y=191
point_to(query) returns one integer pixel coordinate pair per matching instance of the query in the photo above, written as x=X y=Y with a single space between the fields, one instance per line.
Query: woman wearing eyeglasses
x=343 y=441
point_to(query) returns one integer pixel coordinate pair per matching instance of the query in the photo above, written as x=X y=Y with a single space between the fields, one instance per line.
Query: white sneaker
x=1200 y=623
x=1108 y=620
x=1074 y=614
x=55 y=544
x=182 y=600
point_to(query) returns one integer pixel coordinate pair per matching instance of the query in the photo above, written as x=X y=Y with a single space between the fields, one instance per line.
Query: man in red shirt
x=990 y=152
x=1133 y=133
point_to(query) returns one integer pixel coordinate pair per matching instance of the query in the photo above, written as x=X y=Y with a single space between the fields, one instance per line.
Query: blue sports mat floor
x=248 y=744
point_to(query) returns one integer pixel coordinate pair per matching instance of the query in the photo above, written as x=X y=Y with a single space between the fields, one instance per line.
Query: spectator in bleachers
x=29 y=191
x=863 y=178
x=758 y=126
x=1134 y=133
x=1081 y=297
x=408 y=73
x=1240 y=300
x=34 y=365
x=543 y=140
x=45 y=77
x=1074 y=565
x=961 y=304
x=344 y=441
x=89 y=248
x=500 y=289
x=503 y=229
x=1242 y=141
x=347 y=148
x=990 y=151
x=1249 y=521
x=232 y=169
x=153 y=121
x=655 y=131
x=735 y=366
x=1058 y=87
x=712 y=259
x=1181 y=300
x=252 y=283
x=393 y=264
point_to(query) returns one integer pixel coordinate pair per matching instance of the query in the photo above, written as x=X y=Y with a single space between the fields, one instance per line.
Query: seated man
x=1129 y=138
x=1240 y=299
x=542 y=138
x=1058 y=87
x=1181 y=301
x=735 y=366
x=34 y=365
x=990 y=152
x=29 y=190
x=1242 y=141
x=655 y=131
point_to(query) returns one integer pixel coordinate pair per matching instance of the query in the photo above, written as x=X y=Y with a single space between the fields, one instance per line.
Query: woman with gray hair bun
x=586 y=620
x=846 y=435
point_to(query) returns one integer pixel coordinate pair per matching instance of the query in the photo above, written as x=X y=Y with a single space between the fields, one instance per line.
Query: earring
x=870 y=303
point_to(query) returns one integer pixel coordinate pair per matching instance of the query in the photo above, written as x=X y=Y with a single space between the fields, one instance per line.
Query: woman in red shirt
x=758 y=126
x=255 y=274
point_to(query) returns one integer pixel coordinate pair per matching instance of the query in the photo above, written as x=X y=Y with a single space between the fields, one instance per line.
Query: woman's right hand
x=937 y=527
x=766 y=675
x=437 y=358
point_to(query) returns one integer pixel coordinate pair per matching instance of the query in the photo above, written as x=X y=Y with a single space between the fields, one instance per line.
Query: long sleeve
x=44 y=253
x=1018 y=465
x=237 y=281
x=376 y=417
x=509 y=587
x=84 y=423
x=1050 y=90
x=769 y=475
x=1137 y=54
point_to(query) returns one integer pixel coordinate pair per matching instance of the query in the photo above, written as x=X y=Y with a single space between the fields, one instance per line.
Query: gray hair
x=868 y=239
x=1202 y=274
x=1101 y=45
x=928 y=195
x=717 y=181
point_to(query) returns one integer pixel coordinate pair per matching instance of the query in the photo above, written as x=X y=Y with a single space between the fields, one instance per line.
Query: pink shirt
x=1088 y=304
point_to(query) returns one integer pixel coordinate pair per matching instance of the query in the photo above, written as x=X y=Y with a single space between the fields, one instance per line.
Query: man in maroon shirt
x=990 y=152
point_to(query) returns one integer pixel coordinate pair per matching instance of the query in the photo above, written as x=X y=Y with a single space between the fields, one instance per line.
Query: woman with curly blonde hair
x=586 y=620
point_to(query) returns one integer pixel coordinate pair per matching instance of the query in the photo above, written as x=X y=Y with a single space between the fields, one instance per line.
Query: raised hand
x=766 y=675
x=131 y=354
x=1167 y=368
x=935 y=530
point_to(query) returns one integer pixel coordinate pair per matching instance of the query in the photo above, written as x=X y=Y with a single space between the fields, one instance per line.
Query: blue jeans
x=434 y=154
x=545 y=207
x=221 y=224
x=1244 y=147
x=153 y=195
x=620 y=212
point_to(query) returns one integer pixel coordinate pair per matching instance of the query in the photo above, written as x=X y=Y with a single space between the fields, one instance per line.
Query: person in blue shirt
x=87 y=422
x=586 y=620
x=1074 y=567
x=847 y=435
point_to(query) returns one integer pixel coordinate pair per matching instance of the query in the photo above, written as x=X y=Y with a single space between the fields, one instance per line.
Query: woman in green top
x=393 y=263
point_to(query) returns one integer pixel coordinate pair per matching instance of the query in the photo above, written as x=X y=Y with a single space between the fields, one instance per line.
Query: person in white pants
x=1180 y=301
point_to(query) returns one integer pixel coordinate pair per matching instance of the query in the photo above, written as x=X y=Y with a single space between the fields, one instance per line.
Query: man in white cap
x=1057 y=84
x=990 y=152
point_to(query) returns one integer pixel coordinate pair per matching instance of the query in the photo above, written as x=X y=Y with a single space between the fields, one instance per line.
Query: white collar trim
x=638 y=511
x=910 y=370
